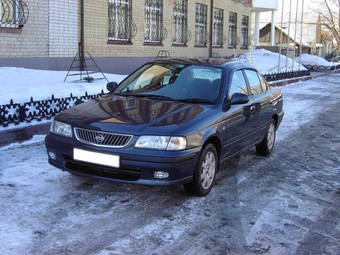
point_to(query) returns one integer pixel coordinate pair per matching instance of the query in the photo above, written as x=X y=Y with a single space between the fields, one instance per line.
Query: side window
x=238 y=84
x=254 y=82
x=264 y=84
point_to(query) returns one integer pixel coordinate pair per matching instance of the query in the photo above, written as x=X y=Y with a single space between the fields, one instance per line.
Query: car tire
x=205 y=173
x=266 y=146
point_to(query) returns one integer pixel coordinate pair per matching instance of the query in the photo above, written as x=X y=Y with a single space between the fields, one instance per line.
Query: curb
x=23 y=134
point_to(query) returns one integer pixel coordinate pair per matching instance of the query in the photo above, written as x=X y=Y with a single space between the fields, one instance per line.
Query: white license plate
x=96 y=158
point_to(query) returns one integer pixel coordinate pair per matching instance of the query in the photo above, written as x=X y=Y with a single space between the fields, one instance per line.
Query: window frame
x=245 y=32
x=232 y=33
x=218 y=27
x=153 y=22
x=122 y=21
x=180 y=19
x=201 y=19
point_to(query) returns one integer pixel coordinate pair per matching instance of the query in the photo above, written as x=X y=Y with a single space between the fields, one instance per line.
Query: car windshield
x=190 y=83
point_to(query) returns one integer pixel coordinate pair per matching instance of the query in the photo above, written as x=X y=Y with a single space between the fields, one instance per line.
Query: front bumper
x=137 y=166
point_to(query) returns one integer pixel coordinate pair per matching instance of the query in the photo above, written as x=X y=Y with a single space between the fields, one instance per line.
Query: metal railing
x=285 y=75
x=16 y=113
x=316 y=68
x=13 y=13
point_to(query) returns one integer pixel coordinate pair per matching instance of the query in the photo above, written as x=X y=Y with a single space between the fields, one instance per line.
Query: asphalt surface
x=287 y=203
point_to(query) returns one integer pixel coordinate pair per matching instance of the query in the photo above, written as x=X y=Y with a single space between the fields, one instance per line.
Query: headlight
x=162 y=143
x=60 y=128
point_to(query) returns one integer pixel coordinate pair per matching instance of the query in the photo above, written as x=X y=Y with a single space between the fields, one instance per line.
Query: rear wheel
x=204 y=176
x=266 y=146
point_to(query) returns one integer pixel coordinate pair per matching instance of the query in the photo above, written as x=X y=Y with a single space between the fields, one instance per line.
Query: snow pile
x=268 y=62
x=20 y=84
x=306 y=59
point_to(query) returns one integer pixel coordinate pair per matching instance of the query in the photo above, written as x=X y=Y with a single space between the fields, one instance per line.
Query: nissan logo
x=99 y=138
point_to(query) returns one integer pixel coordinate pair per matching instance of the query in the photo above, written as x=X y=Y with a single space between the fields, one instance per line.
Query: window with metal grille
x=218 y=27
x=154 y=31
x=201 y=25
x=232 y=29
x=180 y=22
x=244 y=32
x=13 y=13
x=121 y=26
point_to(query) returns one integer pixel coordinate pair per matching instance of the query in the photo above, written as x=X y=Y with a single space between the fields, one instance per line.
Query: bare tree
x=329 y=13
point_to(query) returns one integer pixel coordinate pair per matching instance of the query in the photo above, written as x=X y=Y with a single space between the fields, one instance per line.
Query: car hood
x=132 y=115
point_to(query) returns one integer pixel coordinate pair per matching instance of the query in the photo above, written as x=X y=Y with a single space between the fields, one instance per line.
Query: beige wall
x=32 y=39
x=64 y=23
x=96 y=30
x=51 y=35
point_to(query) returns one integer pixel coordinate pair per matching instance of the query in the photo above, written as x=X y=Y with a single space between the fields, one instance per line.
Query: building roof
x=292 y=36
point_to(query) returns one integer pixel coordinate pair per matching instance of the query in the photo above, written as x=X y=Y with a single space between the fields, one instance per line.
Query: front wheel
x=266 y=146
x=205 y=172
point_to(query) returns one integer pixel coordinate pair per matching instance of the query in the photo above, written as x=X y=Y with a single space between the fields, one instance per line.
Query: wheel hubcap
x=208 y=170
x=271 y=136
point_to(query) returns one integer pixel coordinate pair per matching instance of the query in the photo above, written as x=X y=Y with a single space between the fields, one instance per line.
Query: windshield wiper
x=153 y=96
x=196 y=100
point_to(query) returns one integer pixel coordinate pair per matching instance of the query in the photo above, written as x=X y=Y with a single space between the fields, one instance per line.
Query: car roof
x=220 y=62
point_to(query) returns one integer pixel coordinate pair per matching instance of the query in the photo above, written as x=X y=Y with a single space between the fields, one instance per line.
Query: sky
x=22 y=207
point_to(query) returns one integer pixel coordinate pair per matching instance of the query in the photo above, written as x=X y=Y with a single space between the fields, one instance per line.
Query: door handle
x=252 y=109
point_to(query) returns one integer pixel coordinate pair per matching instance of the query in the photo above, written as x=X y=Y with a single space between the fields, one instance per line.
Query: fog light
x=52 y=155
x=160 y=175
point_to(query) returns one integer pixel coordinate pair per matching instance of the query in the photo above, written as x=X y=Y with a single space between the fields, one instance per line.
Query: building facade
x=120 y=35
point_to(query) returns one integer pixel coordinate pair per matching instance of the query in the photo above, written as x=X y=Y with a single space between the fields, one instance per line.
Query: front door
x=237 y=129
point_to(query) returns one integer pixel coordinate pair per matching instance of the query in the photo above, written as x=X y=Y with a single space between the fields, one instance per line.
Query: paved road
x=288 y=203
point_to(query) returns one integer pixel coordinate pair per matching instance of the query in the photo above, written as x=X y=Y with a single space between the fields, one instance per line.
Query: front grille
x=100 y=138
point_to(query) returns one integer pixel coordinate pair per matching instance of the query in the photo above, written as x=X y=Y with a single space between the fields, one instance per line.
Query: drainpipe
x=81 y=44
x=211 y=27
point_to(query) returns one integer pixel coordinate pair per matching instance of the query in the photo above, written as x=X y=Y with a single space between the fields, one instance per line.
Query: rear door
x=260 y=102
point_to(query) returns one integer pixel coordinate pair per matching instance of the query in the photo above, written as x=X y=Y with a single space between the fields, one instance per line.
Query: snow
x=306 y=59
x=20 y=84
x=268 y=62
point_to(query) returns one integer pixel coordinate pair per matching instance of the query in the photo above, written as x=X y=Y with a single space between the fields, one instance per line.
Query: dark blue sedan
x=171 y=122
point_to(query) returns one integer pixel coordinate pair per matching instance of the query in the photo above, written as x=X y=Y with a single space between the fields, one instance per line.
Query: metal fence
x=15 y=113
x=315 y=68
x=285 y=75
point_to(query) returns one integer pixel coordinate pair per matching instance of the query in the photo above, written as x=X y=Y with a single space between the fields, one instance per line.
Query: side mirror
x=111 y=86
x=239 y=98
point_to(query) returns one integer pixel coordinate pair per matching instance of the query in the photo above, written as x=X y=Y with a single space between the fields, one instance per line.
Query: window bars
x=13 y=13
x=180 y=13
x=218 y=27
x=121 y=26
x=244 y=32
x=201 y=25
x=232 y=29
x=155 y=32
